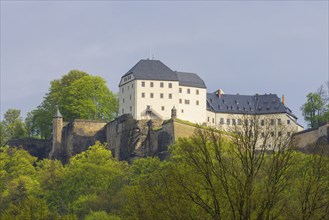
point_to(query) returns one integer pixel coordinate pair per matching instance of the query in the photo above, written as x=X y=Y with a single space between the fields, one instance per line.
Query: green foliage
x=316 y=108
x=313 y=109
x=12 y=126
x=101 y=215
x=79 y=96
x=209 y=176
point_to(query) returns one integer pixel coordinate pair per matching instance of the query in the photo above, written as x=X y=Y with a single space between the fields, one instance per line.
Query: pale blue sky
x=244 y=47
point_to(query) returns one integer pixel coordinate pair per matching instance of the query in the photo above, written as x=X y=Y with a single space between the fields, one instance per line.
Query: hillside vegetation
x=207 y=177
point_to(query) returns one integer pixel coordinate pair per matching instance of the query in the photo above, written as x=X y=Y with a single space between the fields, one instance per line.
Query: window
x=188 y=91
x=272 y=121
x=262 y=122
x=288 y=122
x=233 y=122
x=130 y=97
x=162 y=108
x=239 y=121
x=180 y=101
x=197 y=102
x=180 y=90
x=182 y=110
x=170 y=85
x=197 y=92
x=213 y=120
x=143 y=95
x=279 y=133
x=143 y=84
x=123 y=111
x=208 y=119
x=151 y=95
x=170 y=96
x=279 y=121
x=128 y=87
x=187 y=102
x=131 y=108
x=132 y=85
x=123 y=100
x=161 y=84
x=161 y=95
x=151 y=84
x=122 y=90
x=228 y=121
x=221 y=121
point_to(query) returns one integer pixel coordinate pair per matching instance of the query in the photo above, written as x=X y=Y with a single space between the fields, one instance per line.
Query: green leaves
x=79 y=96
x=12 y=126
x=204 y=179
x=314 y=109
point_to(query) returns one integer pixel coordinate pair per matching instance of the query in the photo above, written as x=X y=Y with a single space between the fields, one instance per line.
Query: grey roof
x=156 y=70
x=57 y=113
x=190 y=79
x=246 y=104
x=152 y=70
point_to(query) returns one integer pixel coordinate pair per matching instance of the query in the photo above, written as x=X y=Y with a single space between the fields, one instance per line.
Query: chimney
x=282 y=99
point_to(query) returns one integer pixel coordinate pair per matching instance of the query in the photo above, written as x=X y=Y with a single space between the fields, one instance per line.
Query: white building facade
x=151 y=89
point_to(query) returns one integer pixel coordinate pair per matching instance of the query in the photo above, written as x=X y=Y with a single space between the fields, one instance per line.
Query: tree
x=241 y=174
x=316 y=108
x=12 y=126
x=313 y=109
x=79 y=96
x=88 y=183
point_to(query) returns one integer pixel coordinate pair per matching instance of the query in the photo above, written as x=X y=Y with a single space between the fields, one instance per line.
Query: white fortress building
x=150 y=89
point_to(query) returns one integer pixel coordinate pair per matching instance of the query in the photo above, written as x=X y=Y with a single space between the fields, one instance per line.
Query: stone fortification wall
x=78 y=135
x=313 y=140
x=37 y=148
x=183 y=130
x=128 y=138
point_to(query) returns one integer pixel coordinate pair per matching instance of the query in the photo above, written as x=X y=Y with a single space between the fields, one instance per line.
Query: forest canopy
x=207 y=177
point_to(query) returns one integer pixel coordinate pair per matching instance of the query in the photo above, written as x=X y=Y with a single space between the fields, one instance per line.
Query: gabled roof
x=190 y=79
x=246 y=104
x=156 y=70
x=57 y=113
x=152 y=70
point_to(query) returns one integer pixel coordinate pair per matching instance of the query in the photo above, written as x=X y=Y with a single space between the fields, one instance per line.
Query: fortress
x=158 y=105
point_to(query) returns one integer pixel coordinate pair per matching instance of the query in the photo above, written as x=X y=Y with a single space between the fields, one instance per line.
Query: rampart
x=313 y=140
x=129 y=139
x=36 y=147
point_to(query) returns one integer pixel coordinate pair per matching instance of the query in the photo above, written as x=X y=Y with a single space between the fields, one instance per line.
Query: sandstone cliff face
x=78 y=135
x=37 y=148
x=129 y=139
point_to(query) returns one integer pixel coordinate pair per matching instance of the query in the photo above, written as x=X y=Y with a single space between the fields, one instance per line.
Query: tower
x=57 y=134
